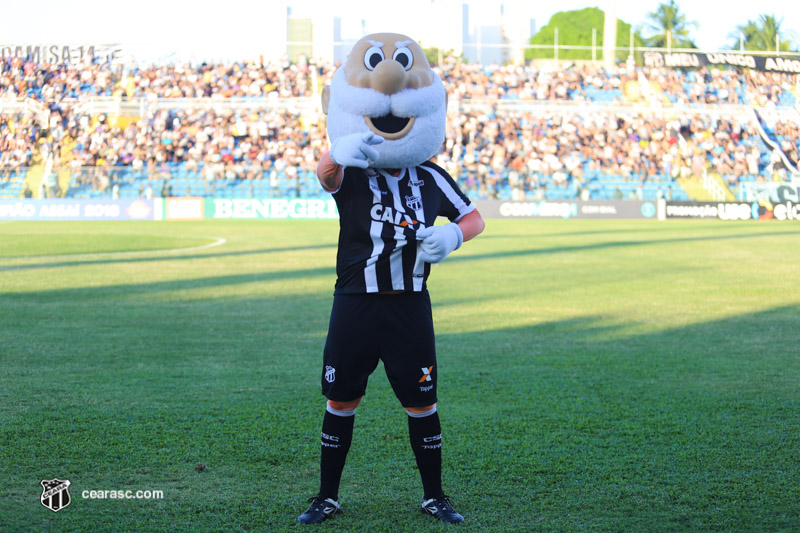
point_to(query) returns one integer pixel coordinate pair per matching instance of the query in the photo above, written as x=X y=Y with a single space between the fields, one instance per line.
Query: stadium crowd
x=492 y=151
x=569 y=145
x=18 y=136
x=20 y=78
x=47 y=82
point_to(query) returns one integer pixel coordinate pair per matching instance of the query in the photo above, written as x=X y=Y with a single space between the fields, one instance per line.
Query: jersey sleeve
x=455 y=204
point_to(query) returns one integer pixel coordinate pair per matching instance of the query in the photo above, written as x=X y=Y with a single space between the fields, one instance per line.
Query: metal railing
x=141 y=106
x=544 y=107
x=12 y=182
x=23 y=105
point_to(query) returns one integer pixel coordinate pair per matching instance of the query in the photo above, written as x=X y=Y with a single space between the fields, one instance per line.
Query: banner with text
x=199 y=208
x=773 y=191
x=271 y=208
x=63 y=209
x=566 y=209
x=722 y=59
x=63 y=53
x=760 y=210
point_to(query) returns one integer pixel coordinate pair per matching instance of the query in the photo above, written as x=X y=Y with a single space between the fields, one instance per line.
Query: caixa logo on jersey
x=385 y=213
x=55 y=494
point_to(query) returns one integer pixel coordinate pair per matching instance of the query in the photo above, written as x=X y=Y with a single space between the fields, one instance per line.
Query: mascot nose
x=389 y=77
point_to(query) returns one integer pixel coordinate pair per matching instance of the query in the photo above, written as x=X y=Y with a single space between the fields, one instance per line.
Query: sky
x=163 y=30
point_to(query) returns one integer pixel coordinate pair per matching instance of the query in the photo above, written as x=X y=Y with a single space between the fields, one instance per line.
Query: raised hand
x=355 y=150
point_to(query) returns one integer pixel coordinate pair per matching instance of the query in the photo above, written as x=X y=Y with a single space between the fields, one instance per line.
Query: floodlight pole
x=610 y=34
x=631 y=42
x=555 y=47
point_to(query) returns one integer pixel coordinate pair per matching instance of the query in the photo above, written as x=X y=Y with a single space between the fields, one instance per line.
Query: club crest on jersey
x=414 y=203
x=385 y=213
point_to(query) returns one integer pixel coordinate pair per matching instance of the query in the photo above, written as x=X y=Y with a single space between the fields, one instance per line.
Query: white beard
x=349 y=105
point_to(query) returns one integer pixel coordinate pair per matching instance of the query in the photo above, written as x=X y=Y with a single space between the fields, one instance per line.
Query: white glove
x=438 y=241
x=355 y=150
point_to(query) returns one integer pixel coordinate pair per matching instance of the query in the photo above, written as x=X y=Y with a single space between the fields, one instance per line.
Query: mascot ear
x=326 y=98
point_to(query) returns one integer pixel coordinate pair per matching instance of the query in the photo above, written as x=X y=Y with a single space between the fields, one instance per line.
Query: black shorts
x=394 y=328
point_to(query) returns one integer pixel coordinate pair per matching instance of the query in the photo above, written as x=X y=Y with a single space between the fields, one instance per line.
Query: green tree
x=435 y=54
x=575 y=29
x=761 y=35
x=668 y=25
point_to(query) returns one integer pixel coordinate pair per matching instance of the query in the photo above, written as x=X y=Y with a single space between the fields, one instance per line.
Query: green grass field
x=594 y=376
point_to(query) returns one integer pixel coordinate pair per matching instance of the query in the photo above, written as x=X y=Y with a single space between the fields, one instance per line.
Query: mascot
x=386 y=119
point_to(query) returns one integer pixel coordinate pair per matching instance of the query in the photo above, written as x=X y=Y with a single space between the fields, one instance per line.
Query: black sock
x=425 y=433
x=337 y=433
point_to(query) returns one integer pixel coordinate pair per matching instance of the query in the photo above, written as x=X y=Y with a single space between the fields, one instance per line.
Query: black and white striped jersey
x=379 y=215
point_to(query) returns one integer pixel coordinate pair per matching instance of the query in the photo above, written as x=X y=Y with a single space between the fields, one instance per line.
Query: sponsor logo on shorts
x=426 y=374
x=426 y=389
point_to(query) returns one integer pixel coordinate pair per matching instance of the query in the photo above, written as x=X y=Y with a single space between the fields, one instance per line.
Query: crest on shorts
x=330 y=374
x=414 y=202
x=55 y=494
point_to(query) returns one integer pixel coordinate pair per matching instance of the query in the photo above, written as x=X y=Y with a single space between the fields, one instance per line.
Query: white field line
x=217 y=242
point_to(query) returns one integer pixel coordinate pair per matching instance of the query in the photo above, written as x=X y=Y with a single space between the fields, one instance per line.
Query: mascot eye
x=404 y=57
x=373 y=56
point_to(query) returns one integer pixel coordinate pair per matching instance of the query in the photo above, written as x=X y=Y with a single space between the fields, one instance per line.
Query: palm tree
x=668 y=24
x=762 y=35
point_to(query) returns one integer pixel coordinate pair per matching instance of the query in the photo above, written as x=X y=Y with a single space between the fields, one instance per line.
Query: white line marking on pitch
x=218 y=242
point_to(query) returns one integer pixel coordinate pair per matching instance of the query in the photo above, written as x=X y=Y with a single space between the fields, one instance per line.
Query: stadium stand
x=255 y=129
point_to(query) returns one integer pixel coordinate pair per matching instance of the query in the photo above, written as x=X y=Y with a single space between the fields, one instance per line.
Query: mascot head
x=387 y=87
